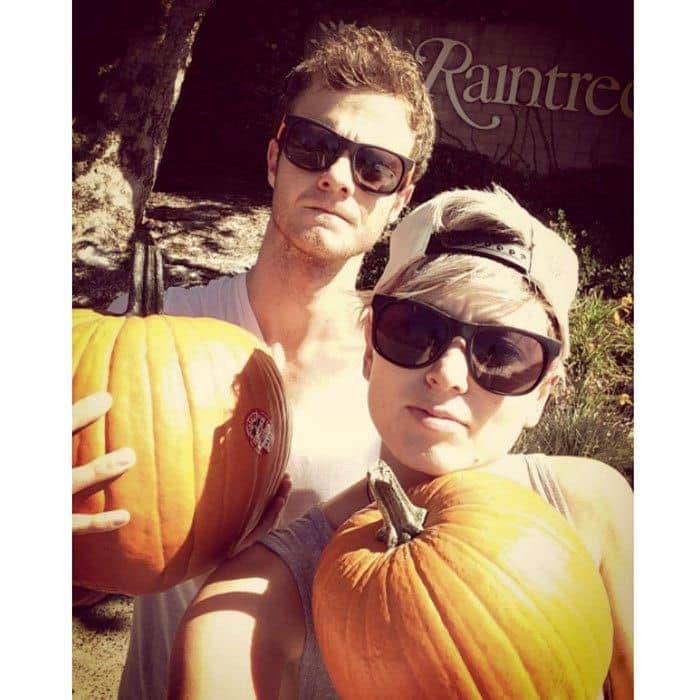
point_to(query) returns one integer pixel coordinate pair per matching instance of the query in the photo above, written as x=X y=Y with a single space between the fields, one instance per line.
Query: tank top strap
x=544 y=481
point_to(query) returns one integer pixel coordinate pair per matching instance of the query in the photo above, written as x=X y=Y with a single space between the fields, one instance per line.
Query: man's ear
x=367 y=358
x=402 y=199
x=542 y=394
x=273 y=154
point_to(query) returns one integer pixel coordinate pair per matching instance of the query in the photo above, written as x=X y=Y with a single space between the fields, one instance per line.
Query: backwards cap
x=540 y=255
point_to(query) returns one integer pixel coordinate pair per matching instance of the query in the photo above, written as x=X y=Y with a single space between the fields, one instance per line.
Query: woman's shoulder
x=599 y=498
x=589 y=479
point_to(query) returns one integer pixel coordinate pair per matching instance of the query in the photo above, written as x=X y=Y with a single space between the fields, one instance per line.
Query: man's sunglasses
x=313 y=146
x=502 y=360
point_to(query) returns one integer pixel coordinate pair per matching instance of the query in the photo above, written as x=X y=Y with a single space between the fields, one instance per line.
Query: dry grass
x=201 y=239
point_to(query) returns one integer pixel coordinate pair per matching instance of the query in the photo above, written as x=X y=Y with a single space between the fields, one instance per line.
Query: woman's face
x=436 y=419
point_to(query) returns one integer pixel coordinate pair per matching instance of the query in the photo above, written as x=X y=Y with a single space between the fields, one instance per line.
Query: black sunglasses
x=313 y=146
x=503 y=360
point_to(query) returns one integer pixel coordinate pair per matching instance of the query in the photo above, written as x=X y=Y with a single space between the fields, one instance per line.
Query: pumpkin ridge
x=572 y=550
x=232 y=475
x=572 y=545
x=110 y=332
x=423 y=579
x=247 y=522
x=173 y=323
x=98 y=429
x=527 y=592
x=255 y=478
x=271 y=375
x=127 y=358
x=107 y=446
x=156 y=441
x=83 y=338
x=446 y=616
x=368 y=619
x=359 y=581
x=264 y=365
x=394 y=569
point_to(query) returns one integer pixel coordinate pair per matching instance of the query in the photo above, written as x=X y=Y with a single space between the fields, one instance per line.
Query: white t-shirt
x=317 y=474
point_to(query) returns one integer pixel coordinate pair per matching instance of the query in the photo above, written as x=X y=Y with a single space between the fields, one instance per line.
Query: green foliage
x=593 y=415
x=569 y=429
x=613 y=279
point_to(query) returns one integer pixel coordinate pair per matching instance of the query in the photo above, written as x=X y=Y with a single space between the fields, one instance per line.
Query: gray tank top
x=300 y=544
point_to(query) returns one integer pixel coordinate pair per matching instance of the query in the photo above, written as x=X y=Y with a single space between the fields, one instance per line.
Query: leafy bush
x=592 y=416
x=570 y=429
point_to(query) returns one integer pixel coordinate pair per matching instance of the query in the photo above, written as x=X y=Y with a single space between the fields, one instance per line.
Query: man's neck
x=300 y=301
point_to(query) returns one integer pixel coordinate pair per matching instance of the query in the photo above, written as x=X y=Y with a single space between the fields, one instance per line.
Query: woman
x=466 y=336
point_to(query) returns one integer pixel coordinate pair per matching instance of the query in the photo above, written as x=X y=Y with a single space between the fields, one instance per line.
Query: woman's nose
x=449 y=372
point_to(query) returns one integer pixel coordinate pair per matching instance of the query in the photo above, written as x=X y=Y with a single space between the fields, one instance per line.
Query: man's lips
x=330 y=211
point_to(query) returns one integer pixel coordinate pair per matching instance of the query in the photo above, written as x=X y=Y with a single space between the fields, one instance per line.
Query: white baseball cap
x=540 y=254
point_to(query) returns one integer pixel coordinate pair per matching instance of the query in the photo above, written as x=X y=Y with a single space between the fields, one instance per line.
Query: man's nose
x=450 y=371
x=337 y=177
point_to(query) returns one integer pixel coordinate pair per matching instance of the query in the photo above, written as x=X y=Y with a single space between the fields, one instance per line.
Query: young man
x=356 y=133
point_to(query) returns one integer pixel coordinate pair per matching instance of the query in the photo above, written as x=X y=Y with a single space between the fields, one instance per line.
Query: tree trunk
x=118 y=140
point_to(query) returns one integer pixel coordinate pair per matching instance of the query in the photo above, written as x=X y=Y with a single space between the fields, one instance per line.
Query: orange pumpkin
x=202 y=404
x=496 y=597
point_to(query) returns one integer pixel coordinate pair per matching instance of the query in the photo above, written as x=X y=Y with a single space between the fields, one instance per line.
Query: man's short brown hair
x=367 y=58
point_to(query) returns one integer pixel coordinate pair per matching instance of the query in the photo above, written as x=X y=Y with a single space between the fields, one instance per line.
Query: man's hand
x=106 y=467
x=269 y=520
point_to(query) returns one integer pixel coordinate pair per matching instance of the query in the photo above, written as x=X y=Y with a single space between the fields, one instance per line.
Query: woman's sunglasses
x=502 y=360
x=313 y=146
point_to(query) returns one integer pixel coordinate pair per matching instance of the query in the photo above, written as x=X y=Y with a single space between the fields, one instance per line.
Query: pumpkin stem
x=146 y=290
x=402 y=519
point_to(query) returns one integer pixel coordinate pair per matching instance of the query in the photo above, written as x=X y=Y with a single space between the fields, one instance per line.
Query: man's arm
x=243 y=634
x=601 y=504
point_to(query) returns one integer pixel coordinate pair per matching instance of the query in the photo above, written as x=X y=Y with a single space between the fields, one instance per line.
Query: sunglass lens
x=311 y=147
x=378 y=170
x=409 y=335
x=506 y=362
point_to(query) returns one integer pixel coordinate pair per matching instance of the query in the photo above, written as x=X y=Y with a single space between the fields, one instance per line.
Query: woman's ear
x=542 y=394
x=273 y=153
x=367 y=358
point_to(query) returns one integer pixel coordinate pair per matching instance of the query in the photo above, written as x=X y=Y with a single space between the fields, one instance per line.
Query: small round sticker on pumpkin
x=258 y=429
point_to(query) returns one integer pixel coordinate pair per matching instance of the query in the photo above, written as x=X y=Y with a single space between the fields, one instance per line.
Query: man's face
x=325 y=214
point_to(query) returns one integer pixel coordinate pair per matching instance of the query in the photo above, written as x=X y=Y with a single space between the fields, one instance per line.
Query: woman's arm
x=600 y=500
x=243 y=634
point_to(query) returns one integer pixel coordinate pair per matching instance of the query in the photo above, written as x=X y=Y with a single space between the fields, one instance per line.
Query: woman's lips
x=440 y=421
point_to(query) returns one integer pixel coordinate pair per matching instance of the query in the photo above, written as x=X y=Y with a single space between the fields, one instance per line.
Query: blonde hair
x=367 y=58
x=494 y=289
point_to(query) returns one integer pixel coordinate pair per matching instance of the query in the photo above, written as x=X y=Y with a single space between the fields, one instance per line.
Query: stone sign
x=533 y=97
